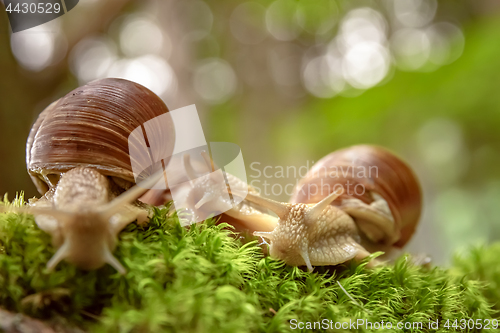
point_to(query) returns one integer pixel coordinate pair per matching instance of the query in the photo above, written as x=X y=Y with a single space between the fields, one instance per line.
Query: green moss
x=203 y=279
x=483 y=264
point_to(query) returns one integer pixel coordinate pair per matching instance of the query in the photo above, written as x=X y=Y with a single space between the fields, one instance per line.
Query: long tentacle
x=315 y=212
x=110 y=259
x=61 y=253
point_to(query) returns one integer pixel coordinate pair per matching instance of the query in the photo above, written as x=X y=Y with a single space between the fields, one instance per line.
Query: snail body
x=83 y=219
x=331 y=225
x=77 y=155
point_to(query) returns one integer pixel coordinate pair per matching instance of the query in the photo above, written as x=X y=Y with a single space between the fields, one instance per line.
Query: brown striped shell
x=363 y=170
x=90 y=127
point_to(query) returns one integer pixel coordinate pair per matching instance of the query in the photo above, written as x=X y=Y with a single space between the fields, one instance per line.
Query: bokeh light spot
x=91 y=58
x=323 y=76
x=140 y=36
x=411 y=48
x=151 y=71
x=414 y=13
x=34 y=48
x=214 y=80
x=365 y=65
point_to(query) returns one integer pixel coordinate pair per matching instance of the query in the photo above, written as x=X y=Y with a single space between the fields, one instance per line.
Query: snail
x=352 y=202
x=77 y=155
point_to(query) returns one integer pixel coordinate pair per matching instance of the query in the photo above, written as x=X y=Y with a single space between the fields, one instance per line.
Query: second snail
x=327 y=222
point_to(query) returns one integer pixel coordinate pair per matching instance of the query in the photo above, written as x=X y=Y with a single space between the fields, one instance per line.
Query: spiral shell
x=89 y=127
x=362 y=171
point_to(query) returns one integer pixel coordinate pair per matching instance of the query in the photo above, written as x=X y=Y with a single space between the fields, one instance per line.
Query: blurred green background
x=290 y=81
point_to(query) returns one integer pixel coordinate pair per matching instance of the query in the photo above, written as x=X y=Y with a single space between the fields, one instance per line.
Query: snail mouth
x=86 y=263
x=108 y=210
x=293 y=257
x=277 y=253
x=264 y=235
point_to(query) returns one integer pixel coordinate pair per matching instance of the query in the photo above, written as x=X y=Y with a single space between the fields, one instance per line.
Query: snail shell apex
x=89 y=127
